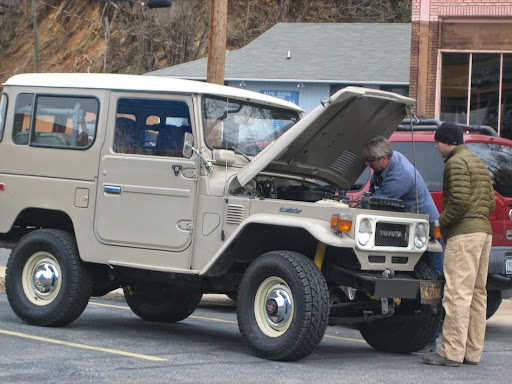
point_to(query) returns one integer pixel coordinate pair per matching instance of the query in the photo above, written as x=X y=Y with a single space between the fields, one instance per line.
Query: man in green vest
x=468 y=201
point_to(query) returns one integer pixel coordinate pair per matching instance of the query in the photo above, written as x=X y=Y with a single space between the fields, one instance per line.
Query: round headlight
x=420 y=236
x=365 y=232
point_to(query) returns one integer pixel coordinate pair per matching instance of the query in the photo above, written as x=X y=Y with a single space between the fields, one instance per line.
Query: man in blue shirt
x=395 y=177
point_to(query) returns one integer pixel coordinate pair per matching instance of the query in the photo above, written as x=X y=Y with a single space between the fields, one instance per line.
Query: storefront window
x=477 y=78
x=506 y=96
x=485 y=83
x=454 y=88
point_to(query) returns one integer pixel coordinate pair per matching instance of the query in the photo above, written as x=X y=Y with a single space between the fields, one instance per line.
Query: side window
x=64 y=121
x=22 y=118
x=151 y=127
x=497 y=158
x=60 y=121
x=429 y=162
x=3 y=110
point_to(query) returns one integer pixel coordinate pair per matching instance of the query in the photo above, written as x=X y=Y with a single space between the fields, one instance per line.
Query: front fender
x=320 y=230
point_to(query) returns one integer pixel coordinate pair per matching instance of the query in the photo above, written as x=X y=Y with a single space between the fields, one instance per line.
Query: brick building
x=461 y=61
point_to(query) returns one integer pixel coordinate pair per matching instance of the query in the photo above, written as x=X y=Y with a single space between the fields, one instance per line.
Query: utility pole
x=34 y=24
x=217 y=42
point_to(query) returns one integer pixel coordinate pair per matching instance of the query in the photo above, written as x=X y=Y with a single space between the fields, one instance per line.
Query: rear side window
x=3 y=110
x=497 y=158
x=22 y=118
x=59 y=122
x=65 y=121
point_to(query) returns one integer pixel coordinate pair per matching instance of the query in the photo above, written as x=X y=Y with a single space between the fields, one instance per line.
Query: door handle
x=112 y=189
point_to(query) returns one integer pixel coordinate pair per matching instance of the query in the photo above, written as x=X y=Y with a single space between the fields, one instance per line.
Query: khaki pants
x=466 y=261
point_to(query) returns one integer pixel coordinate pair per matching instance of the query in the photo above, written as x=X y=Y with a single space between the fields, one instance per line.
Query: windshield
x=242 y=125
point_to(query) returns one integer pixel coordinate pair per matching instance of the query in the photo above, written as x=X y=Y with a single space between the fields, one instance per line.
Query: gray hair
x=377 y=147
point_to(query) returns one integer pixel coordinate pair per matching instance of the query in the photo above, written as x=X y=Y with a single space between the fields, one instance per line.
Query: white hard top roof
x=142 y=84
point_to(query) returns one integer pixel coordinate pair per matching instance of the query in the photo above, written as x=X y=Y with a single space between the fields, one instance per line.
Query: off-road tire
x=58 y=303
x=493 y=303
x=165 y=304
x=405 y=334
x=232 y=295
x=302 y=327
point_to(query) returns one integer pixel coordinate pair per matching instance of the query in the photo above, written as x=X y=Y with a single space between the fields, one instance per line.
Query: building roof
x=318 y=52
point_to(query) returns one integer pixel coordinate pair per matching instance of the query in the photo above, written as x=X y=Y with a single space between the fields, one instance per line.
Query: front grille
x=399 y=260
x=392 y=235
x=377 y=259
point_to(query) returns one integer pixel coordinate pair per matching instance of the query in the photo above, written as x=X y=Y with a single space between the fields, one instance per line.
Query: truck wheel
x=493 y=302
x=283 y=306
x=162 y=303
x=411 y=328
x=46 y=282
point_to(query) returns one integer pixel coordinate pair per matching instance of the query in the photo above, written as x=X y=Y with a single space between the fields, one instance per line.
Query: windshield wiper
x=236 y=150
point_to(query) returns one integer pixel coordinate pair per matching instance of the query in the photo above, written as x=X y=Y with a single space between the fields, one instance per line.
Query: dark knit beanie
x=449 y=133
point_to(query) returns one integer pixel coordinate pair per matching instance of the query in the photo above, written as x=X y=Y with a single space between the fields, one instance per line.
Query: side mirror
x=187 y=145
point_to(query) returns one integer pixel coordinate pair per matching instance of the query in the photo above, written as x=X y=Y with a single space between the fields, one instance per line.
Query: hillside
x=123 y=37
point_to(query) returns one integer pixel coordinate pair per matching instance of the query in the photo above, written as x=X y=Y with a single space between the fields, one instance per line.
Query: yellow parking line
x=227 y=321
x=193 y=317
x=212 y=319
x=345 y=338
x=108 y=305
x=83 y=346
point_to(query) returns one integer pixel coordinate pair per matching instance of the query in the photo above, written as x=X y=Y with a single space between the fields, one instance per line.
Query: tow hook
x=386 y=308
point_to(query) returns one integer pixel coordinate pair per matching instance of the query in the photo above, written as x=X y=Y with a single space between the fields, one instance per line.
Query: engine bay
x=268 y=186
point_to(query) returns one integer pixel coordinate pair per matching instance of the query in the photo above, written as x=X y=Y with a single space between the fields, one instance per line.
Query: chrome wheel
x=273 y=306
x=41 y=278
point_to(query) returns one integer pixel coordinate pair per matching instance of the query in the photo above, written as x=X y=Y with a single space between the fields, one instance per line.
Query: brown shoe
x=468 y=362
x=437 y=359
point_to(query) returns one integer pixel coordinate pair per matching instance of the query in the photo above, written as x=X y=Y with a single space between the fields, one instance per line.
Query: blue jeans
x=435 y=261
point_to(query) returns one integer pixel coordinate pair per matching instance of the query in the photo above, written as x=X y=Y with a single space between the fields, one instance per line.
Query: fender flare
x=319 y=229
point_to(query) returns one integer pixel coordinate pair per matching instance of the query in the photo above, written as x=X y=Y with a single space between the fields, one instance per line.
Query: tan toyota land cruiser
x=171 y=189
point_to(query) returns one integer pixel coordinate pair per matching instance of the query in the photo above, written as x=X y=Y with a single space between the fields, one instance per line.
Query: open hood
x=327 y=144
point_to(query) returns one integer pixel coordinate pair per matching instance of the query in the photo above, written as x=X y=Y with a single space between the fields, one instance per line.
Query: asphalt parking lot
x=109 y=344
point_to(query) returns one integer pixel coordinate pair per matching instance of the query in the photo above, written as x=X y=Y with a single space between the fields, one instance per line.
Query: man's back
x=468 y=195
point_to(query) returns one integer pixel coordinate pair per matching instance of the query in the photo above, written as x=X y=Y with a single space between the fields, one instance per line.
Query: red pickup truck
x=496 y=152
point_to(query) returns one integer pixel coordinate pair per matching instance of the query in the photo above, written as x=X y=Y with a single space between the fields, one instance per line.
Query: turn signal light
x=341 y=222
x=437 y=230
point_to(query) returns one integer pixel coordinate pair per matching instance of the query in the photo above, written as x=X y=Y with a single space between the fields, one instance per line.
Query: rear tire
x=166 y=304
x=46 y=282
x=493 y=303
x=283 y=306
x=405 y=334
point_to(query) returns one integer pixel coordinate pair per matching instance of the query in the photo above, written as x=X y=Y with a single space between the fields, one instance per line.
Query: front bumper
x=386 y=287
